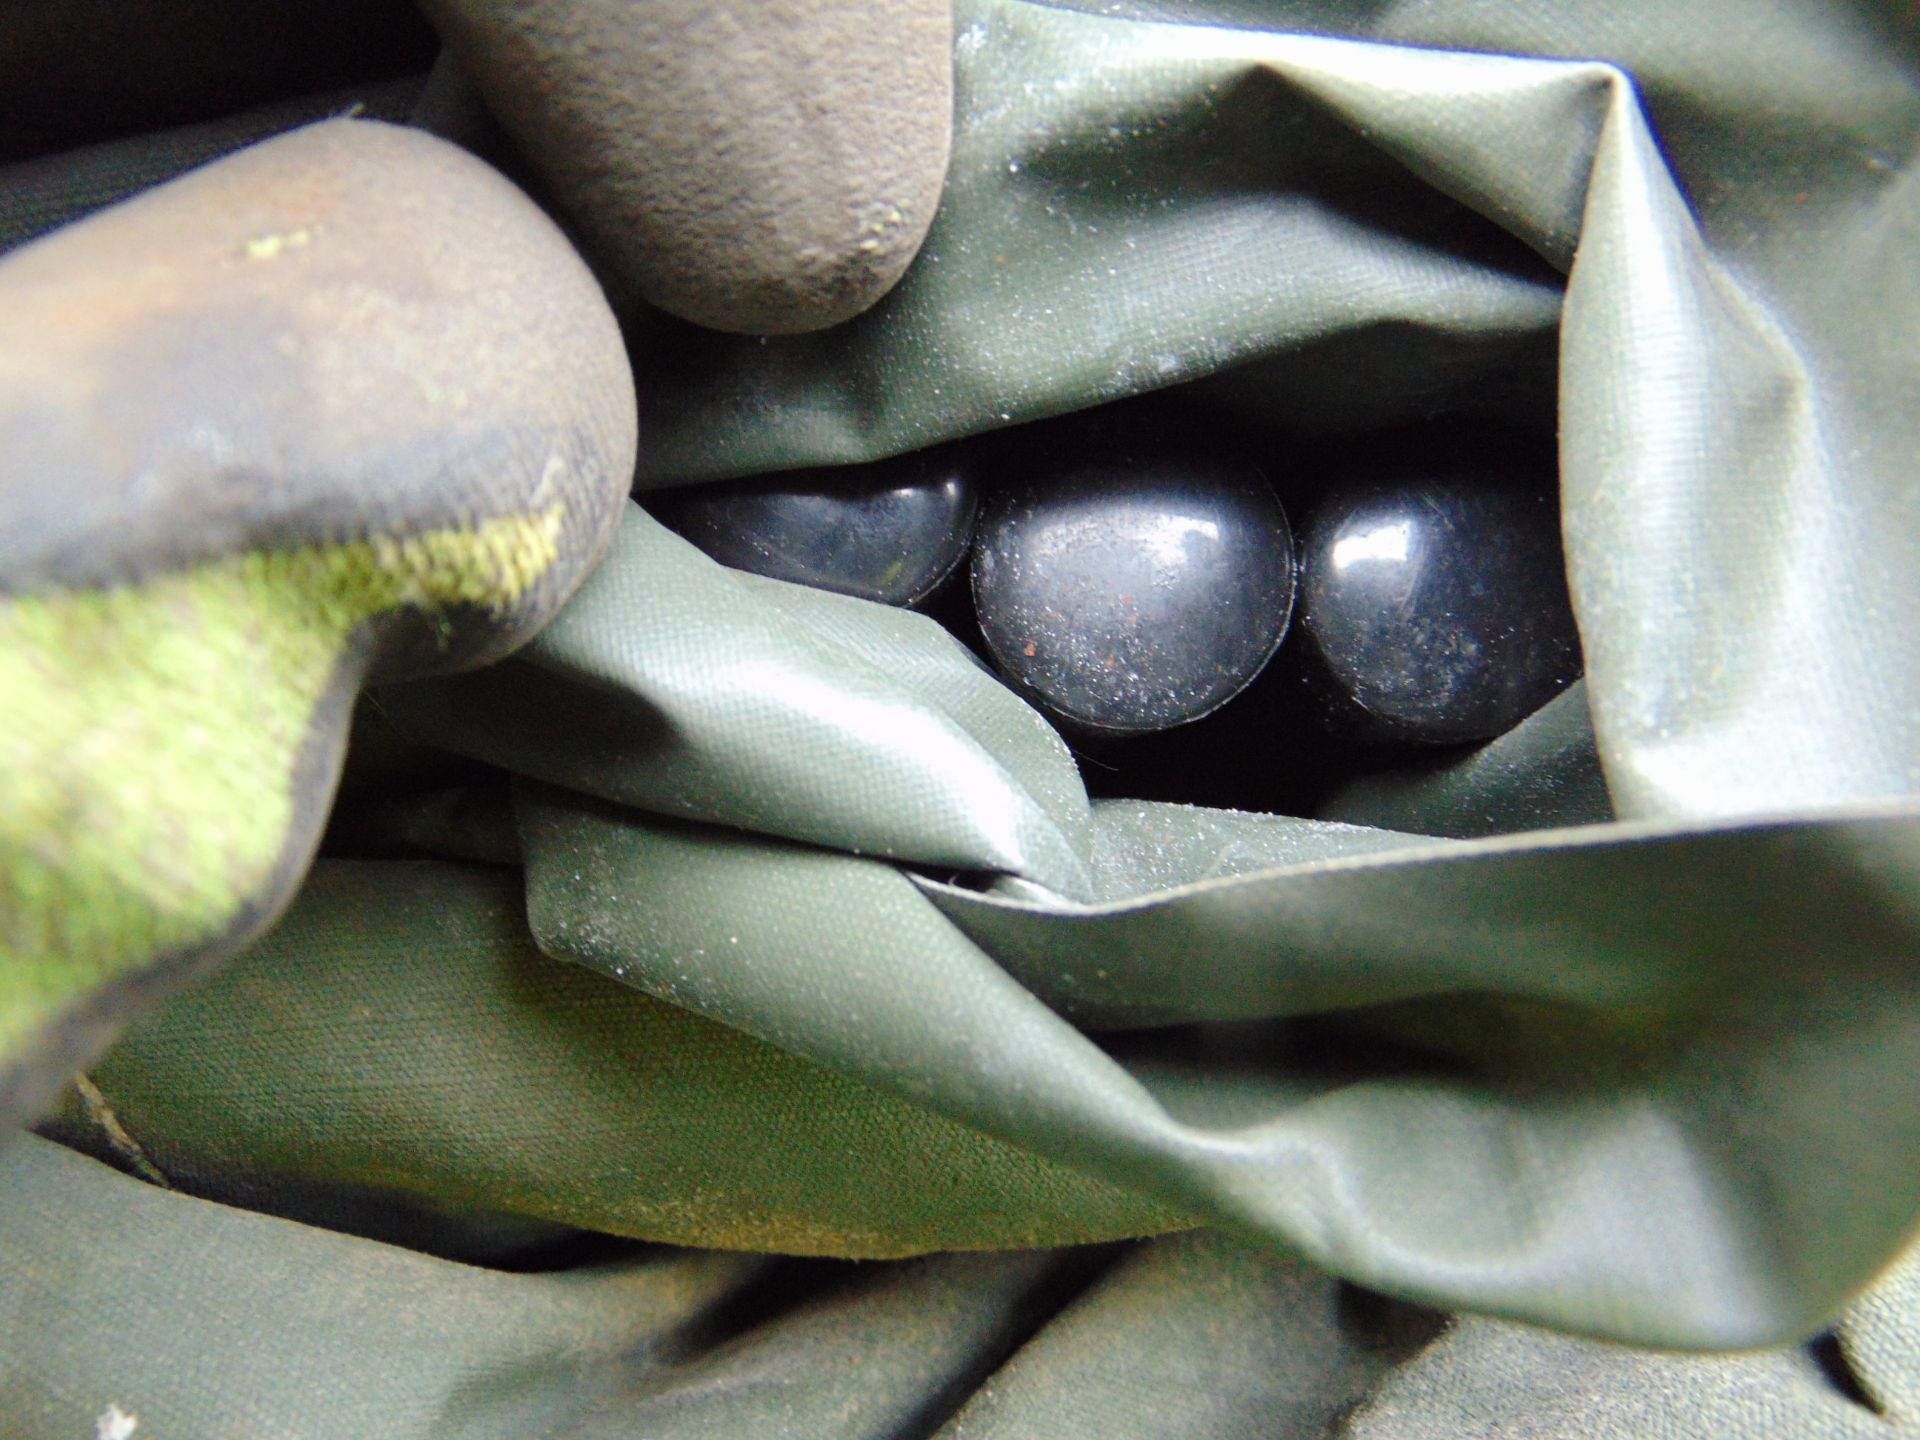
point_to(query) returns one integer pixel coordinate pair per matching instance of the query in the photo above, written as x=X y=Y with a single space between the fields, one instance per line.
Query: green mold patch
x=150 y=733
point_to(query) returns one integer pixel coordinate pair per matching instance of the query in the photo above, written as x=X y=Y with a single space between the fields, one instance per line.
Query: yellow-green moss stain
x=149 y=734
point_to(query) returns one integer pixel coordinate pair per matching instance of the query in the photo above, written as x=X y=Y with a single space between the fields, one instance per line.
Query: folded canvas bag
x=1489 y=1043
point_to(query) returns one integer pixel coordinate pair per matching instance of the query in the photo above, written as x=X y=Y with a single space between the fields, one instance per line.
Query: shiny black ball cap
x=1434 y=601
x=1128 y=586
x=891 y=531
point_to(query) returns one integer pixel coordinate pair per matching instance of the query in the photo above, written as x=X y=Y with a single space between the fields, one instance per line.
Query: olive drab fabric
x=203 y=1319
x=1570 y=1088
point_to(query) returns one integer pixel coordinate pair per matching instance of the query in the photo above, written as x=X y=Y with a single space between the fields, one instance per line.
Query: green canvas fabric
x=1199 y=1336
x=776 y=709
x=219 y=1322
x=1610 y=1027
x=1579 y=1054
x=1489 y=1379
x=1595 y=1061
x=399 y=1032
x=193 y=1318
x=1577 y=1048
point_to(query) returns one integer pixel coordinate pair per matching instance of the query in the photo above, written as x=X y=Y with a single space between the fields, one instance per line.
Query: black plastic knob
x=1434 y=600
x=891 y=531
x=1128 y=585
